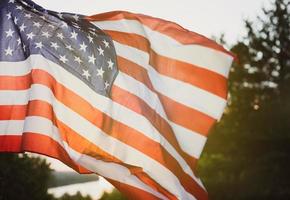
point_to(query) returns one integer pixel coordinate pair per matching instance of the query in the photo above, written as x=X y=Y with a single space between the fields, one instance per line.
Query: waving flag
x=123 y=95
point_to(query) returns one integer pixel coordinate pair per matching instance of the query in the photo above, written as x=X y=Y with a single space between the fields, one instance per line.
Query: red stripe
x=19 y=112
x=189 y=73
x=10 y=143
x=114 y=129
x=9 y=83
x=176 y=112
x=37 y=143
x=135 y=71
x=41 y=144
x=83 y=146
x=168 y=28
x=132 y=192
x=12 y=112
x=186 y=116
x=139 y=106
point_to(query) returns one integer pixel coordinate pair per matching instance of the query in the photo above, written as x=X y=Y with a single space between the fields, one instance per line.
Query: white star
x=45 y=34
x=19 y=8
x=92 y=59
x=64 y=25
x=76 y=17
x=38 y=45
x=37 y=24
x=28 y=16
x=30 y=35
x=60 y=35
x=74 y=35
x=50 y=25
x=78 y=59
x=22 y=27
x=76 y=25
x=54 y=45
x=18 y=41
x=9 y=33
x=92 y=32
x=63 y=59
x=86 y=73
x=15 y=20
x=101 y=51
x=8 y=51
x=25 y=3
x=110 y=64
x=69 y=47
x=8 y=15
x=90 y=39
x=59 y=15
x=100 y=72
x=106 y=43
x=106 y=85
x=83 y=47
x=11 y=1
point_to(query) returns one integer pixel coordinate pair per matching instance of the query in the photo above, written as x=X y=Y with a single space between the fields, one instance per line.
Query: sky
x=207 y=17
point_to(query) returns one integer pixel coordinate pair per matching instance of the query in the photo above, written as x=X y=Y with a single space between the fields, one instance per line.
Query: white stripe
x=10 y=97
x=181 y=92
x=41 y=92
x=70 y=81
x=201 y=56
x=113 y=171
x=187 y=94
x=192 y=143
x=130 y=84
x=11 y=127
x=41 y=125
x=120 y=150
x=116 y=111
x=21 y=97
x=124 y=81
x=19 y=68
x=211 y=104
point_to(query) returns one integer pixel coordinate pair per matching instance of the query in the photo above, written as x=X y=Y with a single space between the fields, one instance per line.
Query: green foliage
x=77 y=196
x=114 y=195
x=247 y=153
x=23 y=178
x=26 y=178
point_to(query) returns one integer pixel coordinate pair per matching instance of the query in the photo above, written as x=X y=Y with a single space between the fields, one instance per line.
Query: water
x=95 y=189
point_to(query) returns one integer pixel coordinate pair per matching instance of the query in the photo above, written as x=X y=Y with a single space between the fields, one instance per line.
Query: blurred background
x=247 y=152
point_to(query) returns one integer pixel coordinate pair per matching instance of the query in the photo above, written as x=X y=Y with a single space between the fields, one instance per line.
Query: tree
x=22 y=177
x=77 y=196
x=26 y=178
x=114 y=195
x=247 y=153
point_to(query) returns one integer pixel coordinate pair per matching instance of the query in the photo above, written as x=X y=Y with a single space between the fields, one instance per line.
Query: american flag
x=127 y=96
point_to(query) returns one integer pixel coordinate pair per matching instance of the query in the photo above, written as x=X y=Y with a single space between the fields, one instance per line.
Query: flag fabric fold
x=126 y=96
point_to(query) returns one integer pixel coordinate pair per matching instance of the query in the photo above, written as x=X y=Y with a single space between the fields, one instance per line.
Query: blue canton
x=66 y=39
